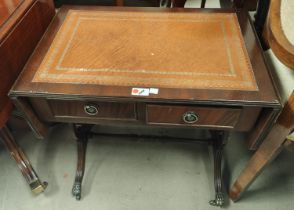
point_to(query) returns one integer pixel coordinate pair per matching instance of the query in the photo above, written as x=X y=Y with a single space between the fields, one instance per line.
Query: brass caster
x=77 y=191
x=38 y=187
x=219 y=200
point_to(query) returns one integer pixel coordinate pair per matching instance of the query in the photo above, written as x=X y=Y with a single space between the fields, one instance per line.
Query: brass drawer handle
x=91 y=109
x=190 y=117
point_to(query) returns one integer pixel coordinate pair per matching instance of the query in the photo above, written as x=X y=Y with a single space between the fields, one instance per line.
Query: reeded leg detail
x=22 y=161
x=81 y=133
x=218 y=144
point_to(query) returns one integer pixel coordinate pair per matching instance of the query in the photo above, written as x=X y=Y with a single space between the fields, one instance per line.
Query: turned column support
x=219 y=139
x=82 y=134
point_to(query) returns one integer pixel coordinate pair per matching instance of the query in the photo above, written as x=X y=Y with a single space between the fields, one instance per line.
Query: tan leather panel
x=149 y=49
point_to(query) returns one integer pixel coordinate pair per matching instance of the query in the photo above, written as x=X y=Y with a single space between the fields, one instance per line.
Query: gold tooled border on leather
x=63 y=74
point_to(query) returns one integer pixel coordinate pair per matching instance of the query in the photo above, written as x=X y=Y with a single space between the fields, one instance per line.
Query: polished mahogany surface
x=11 y=13
x=139 y=49
x=7 y=8
x=23 y=24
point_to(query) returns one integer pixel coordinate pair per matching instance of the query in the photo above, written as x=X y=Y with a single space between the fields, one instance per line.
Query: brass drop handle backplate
x=91 y=109
x=190 y=117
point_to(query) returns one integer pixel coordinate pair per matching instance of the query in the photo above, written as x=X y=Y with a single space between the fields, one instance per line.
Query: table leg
x=267 y=151
x=22 y=161
x=219 y=138
x=82 y=134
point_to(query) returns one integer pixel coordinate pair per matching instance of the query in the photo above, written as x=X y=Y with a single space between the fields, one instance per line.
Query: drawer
x=97 y=110
x=193 y=116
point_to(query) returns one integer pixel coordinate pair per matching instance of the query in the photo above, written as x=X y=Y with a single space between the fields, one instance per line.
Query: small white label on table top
x=144 y=91
x=140 y=91
x=153 y=90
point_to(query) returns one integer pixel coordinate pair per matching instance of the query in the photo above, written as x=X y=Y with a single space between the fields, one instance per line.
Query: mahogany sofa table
x=157 y=67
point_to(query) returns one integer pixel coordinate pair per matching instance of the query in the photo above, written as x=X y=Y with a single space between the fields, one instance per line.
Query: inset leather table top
x=170 y=50
x=178 y=55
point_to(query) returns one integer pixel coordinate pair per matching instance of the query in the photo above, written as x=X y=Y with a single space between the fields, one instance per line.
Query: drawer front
x=96 y=110
x=193 y=116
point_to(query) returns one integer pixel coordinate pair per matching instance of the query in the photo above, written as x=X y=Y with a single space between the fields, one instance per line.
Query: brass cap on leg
x=38 y=187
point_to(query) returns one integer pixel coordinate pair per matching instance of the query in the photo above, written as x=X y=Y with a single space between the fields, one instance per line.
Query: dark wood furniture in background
x=239 y=4
x=245 y=4
x=276 y=140
x=136 y=3
x=22 y=24
x=250 y=5
x=86 y=72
